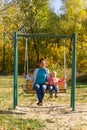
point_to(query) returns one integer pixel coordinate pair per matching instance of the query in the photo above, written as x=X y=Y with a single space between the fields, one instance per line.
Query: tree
x=8 y=24
x=35 y=15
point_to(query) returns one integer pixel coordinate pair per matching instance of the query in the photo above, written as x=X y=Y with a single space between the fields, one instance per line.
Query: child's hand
x=47 y=83
x=56 y=83
x=51 y=83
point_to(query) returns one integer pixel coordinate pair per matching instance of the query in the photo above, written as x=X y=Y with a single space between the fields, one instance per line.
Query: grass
x=80 y=127
x=6 y=93
x=12 y=121
x=15 y=122
x=49 y=120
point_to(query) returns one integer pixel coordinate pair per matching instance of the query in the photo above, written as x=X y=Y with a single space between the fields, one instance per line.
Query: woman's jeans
x=40 y=90
x=51 y=88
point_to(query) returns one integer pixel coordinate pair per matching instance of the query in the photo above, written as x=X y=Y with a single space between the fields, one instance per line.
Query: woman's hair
x=42 y=59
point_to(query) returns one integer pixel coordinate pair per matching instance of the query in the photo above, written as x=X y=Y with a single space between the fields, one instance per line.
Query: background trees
x=30 y=16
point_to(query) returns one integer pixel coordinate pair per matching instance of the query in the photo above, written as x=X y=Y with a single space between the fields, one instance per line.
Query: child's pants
x=51 y=88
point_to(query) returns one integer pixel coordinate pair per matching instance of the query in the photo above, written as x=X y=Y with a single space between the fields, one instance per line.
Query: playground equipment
x=28 y=86
x=73 y=87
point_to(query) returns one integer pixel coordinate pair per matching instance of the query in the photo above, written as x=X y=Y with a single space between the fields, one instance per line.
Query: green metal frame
x=73 y=87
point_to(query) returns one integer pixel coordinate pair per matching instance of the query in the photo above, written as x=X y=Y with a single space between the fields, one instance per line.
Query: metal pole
x=27 y=55
x=65 y=63
x=71 y=101
x=74 y=73
x=15 y=70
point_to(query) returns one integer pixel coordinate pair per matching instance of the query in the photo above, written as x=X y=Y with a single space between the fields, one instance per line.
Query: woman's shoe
x=39 y=103
x=56 y=95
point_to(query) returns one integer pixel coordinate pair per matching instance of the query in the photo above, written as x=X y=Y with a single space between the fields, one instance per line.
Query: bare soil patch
x=57 y=116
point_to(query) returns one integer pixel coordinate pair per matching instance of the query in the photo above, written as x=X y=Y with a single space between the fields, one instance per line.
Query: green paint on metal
x=74 y=73
x=45 y=35
x=15 y=70
x=73 y=88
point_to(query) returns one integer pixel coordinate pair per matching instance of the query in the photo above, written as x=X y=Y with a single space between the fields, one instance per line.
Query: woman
x=40 y=78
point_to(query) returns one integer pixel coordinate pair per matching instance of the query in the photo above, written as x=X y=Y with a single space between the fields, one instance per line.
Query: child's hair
x=54 y=72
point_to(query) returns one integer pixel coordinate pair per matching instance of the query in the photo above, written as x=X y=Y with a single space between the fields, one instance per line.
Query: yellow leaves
x=76 y=8
x=82 y=55
x=82 y=15
x=83 y=65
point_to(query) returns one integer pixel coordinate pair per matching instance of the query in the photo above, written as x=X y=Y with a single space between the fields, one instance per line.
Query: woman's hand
x=24 y=75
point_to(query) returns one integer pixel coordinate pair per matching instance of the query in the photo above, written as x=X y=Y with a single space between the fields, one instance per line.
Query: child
x=53 y=84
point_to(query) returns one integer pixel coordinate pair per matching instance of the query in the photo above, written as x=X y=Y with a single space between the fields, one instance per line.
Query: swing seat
x=27 y=88
x=62 y=83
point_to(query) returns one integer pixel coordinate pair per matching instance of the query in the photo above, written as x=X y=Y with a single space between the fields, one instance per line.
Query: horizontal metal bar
x=45 y=35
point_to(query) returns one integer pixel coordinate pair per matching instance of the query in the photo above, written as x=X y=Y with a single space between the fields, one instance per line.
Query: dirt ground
x=57 y=116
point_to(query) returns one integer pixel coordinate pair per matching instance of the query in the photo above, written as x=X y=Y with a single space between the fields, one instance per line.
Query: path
x=57 y=116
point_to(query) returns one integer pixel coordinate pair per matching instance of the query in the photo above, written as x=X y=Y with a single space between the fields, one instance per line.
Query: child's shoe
x=51 y=96
x=56 y=95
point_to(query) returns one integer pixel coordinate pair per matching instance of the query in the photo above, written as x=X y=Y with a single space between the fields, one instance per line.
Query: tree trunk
x=3 y=61
x=35 y=46
x=70 y=47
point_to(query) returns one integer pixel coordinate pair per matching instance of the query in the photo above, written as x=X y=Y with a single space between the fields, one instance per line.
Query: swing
x=27 y=87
